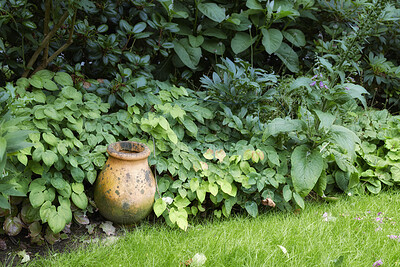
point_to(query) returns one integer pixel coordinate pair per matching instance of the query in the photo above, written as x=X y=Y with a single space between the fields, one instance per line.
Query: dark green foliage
x=269 y=123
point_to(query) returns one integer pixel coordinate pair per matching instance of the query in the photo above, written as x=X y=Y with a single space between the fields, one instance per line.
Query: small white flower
x=168 y=200
x=349 y=194
x=198 y=260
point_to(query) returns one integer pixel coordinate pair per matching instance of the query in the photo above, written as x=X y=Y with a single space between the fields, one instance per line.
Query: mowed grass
x=355 y=233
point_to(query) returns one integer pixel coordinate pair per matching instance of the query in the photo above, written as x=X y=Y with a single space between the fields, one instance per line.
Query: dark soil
x=10 y=246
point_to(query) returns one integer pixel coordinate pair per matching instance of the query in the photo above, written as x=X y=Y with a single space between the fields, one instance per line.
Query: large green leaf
x=212 y=11
x=251 y=208
x=241 y=41
x=190 y=56
x=3 y=148
x=288 y=57
x=214 y=46
x=326 y=119
x=63 y=79
x=307 y=166
x=344 y=138
x=272 y=40
x=279 y=125
x=295 y=36
x=356 y=91
x=254 y=4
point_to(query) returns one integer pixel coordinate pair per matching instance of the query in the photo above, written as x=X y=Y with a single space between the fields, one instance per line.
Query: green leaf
x=279 y=125
x=77 y=188
x=36 y=198
x=49 y=157
x=254 y=4
x=226 y=187
x=212 y=11
x=307 y=166
x=77 y=174
x=190 y=126
x=194 y=184
x=181 y=202
x=344 y=138
x=251 y=208
x=139 y=27
x=159 y=207
x=50 y=139
x=272 y=40
x=342 y=179
x=213 y=188
x=320 y=186
x=356 y=91
x=4 y=204
x=299 y=200
x=189 y=55
x=287 y=193
x=196 y=41
x=50 y=85
x=36 y=81
x=295 y=36
x=214 y=46
x=91 y=176
x=241 y=41
x=80 y=200
x=288 y=57
x=15 y=140
x=56 y=222
x=326 y=119
x=63 y=79
x=172 y=137
x=3 y=149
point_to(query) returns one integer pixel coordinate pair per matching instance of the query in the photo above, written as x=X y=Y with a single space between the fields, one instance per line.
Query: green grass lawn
x=353 y=230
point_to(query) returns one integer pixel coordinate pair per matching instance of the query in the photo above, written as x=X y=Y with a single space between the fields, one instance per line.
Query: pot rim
x=128 y=150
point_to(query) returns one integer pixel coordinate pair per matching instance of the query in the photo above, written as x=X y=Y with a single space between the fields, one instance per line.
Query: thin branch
x=62 y=48
x=46 y=28
x=45 y=41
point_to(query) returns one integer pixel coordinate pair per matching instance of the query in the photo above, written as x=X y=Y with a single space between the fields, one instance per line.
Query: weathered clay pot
x=125 y=188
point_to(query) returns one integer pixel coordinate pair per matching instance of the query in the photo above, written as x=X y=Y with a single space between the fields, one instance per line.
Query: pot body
x=125 y=188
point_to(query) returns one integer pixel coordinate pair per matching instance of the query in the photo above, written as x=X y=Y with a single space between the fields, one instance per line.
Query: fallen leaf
x=108 y=228
x=81 y=217
x=25 y=257
x=268 y=202
x=90 y=228
x=86 y=85
x=3 y=244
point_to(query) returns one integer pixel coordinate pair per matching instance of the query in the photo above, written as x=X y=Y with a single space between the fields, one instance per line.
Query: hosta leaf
x=252 y=208
x=288 y=57
x=272 y=40
x=241 y=41
x=212 y=11
x=307 y=166
x=295 y=36
x=190 y=56
x=356 y=91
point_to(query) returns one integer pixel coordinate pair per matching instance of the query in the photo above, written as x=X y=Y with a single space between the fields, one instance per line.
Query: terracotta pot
x=125 y=188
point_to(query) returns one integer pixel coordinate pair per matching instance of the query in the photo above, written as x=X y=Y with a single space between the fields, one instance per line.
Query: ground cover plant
x=234 y=120
x=354 y=231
